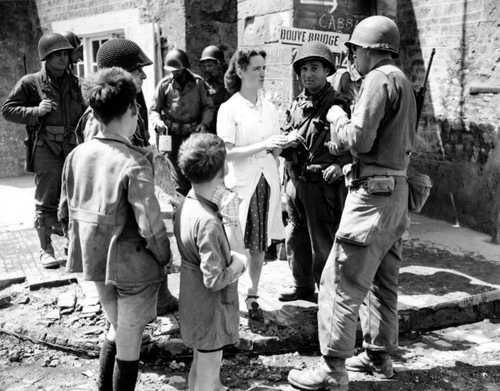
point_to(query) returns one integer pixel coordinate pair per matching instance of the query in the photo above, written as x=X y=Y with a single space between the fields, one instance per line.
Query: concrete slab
x=457 y=240
x=12 y=278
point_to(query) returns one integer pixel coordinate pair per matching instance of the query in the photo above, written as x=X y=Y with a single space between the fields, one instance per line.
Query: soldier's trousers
x=182 y=184
x=48 y=171
x=314 y=210
x=361 y=273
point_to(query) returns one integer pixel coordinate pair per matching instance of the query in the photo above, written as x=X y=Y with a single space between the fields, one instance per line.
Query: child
x=208 y=298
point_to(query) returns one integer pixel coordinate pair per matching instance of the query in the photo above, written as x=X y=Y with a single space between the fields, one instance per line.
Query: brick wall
x=459 y=131
x=19 y=32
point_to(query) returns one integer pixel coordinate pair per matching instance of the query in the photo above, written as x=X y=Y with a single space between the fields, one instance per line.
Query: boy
x=208 y=299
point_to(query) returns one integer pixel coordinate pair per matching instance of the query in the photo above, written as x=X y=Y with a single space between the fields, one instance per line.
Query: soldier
x=315 y=191
x=181 y=106
x=213 y=68
x=361 y=273
x=125 y=54
x=49 y=102
x=77 y=53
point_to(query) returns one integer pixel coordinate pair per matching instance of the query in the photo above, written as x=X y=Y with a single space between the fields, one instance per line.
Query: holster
x=351 y=174
x=30 y=143
x=28 y=162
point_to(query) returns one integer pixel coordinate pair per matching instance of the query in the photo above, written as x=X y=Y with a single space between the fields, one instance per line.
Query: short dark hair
x=201 y=157
x=110 y=92
x=241 y=59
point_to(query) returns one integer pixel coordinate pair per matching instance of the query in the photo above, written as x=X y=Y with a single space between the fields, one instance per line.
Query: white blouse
x=241 y=122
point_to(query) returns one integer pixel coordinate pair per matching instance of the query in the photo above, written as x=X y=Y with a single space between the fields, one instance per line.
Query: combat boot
x=329 y=375
x=378 y=364
x=47 y=258
x=299 y=293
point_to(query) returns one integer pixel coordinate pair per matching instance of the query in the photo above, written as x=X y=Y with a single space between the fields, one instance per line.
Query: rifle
x=31 y=140
x=420 y=94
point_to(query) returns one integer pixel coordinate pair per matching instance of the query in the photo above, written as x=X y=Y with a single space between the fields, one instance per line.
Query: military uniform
x=368 y=241
x=184 y=109
x=218 y=93
x=54 y=135
x=361 y=272
x=314 y=207
x=213 y=66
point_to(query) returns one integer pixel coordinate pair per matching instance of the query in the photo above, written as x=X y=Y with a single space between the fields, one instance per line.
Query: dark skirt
x=255 y=237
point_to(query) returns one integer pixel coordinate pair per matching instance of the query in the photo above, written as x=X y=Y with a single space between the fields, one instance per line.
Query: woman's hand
x=276 y=142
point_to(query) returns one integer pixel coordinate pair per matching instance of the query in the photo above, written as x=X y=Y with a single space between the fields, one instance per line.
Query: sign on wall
x=331 y=15
x=297 y=37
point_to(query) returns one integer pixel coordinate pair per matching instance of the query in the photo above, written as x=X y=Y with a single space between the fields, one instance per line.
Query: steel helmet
x=376 y=32
x=214 y=53
x=176 y=59
x=72 y=38
x=313 y=51
x=50 y=43
x=123 y=53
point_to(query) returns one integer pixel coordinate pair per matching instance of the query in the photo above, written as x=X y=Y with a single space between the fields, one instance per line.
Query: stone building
x=459 y=128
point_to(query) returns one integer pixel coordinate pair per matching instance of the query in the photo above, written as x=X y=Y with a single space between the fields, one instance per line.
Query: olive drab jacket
x=188 y=104
x=380 y=133
x=307 y=116
x=55 y=129
x=115 y=227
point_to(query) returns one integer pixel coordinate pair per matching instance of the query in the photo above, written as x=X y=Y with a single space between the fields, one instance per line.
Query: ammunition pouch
x=54 y=133
x=180 y=128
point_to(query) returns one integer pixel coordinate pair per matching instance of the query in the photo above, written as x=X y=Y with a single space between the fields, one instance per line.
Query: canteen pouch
x=419 y=189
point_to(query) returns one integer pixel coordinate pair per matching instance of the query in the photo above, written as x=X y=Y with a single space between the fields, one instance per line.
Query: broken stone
x=53 y=363
x=67 y=300
x=66 y=311
x=22 y=299
x=88 y=301
x=168 y=325
x=174 y=365
x=53 y=315
x=5 y=300
x=93 y=331
x=91 y=309
x=15 y=356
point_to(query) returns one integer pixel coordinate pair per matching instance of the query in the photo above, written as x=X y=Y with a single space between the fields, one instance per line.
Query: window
x=91 y=45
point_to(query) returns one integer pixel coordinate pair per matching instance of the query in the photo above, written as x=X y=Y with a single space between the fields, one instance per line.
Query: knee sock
x=125 y=375
x=106 y=365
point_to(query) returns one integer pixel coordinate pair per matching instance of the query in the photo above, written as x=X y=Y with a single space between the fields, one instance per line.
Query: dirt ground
x=465 y=358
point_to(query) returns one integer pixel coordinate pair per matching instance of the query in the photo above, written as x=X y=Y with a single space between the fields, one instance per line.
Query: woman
x=249 y=126
x=117 y=237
